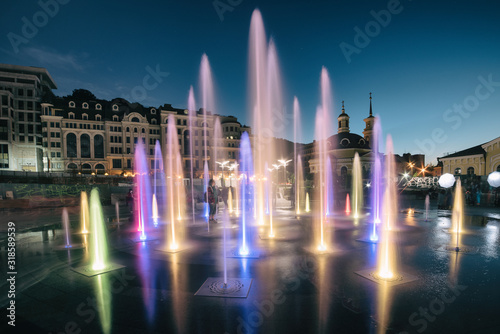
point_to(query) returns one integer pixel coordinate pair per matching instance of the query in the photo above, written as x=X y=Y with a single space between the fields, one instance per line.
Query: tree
x=82 y=94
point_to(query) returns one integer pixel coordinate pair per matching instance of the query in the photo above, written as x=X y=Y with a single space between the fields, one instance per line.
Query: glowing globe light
x=494 y=179
x=446 y=180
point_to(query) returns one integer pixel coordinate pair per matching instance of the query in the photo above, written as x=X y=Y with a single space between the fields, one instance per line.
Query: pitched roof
x=469 y=151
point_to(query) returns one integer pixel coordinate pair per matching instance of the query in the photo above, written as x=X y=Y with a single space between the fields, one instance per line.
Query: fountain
x=68 y=245
x=347 y=204
x=245 y=242
x=457 y=217
x=174 y=233
x=299 y=184
x=357 y=187
x=192 y=118
x=98 y=244
x=159 y=178
x=208 y=104
x=299 y=174
x=84 y=212
x=142 y=191
x=387 y=272
x=224 y=286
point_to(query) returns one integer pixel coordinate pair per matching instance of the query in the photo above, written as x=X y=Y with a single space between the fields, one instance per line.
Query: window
x=117 y=163
x=143 y=131
x=115 y=107
x=85 y=117
x=128 y=140
x=97 y=117
x=98 y=107
x=85 y=146
x=98 y=147
x=71 y=104
x=85 y=105
x=129 y=163
x=135 y=120
x=71 y=115
x=71 y=145
x=153 y=121
x=458 y=171
x=115 y=118
x=343 y=171
x=470 y=171
x=72 y=166
x=4 y=156
x=153 y=111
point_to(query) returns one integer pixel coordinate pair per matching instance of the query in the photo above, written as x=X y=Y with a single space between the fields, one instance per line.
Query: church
x=342 y=146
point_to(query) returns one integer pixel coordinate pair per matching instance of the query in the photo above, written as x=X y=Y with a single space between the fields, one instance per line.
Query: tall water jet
x=298 y=161
x=386 y=266
x=357 y=187
x=246 y=190
x=84 y=212
x=192 y=118
x=458 y=214
x=387 y=272
x=322 y=131
x=159 y=179
x=65 y=220
x=206 y=84
x=142 y=190
x=117 y=212
x=98 y=240
x=299 y=184
x=175 y=189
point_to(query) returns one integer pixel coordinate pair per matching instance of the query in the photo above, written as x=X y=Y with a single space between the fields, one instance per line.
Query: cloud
x=54 y=59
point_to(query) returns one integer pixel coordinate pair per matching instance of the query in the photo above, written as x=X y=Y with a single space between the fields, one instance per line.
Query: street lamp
x=284 y=163
x=222 y=165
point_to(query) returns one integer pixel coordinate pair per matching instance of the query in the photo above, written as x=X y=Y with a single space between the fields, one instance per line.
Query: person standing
x=212 y=200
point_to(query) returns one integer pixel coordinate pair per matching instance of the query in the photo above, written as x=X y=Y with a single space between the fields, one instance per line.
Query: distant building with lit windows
x=477 y=160
x=99 y=136
x=21 y=91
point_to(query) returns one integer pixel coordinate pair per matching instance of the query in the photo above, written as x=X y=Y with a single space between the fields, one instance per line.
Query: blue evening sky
x=431 y=56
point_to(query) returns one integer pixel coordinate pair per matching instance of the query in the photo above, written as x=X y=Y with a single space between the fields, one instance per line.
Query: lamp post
x=222 y=164
x=284 y=163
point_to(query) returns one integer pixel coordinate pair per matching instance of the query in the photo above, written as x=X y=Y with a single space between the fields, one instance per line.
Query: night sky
x=424 y=67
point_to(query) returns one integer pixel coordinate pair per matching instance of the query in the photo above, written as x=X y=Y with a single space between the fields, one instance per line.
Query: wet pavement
x=293 y=290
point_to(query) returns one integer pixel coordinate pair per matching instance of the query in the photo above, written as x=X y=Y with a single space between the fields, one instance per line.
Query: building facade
x=342 y=147
x=21 y=92
x=477 y=160
x=99 y=136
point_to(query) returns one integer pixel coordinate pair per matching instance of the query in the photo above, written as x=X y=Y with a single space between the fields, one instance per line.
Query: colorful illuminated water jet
x=386 y=265
x=347 y=204
x=247 y=195
x=457 y=216
x=84 y=212
x=357 y=187
x=98 y=240
x=308 y=203
x=142 y=191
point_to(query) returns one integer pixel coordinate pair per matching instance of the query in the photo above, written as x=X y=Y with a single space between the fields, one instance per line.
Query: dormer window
x=98 y=106
x=115 y=117
x=85 y=105
x=153 y=121
x=115 y=107
x=97 y=117
x=71 y=115
x=153 y=111
x=362 y=142
x=345 y=142
x=71 y=104
x=85 y=117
